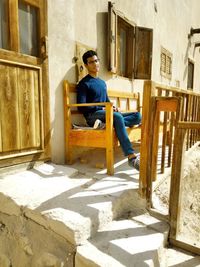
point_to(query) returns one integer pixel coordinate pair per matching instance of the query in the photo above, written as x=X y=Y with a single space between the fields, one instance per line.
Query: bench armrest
x=90 y=104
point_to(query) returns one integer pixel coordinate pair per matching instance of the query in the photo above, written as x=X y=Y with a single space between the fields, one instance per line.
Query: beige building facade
x=71 y=23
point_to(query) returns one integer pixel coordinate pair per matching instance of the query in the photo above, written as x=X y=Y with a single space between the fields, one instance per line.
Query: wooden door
x=24 y=97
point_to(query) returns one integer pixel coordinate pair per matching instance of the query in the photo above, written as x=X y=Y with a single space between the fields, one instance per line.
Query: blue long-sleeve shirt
x=91 y=90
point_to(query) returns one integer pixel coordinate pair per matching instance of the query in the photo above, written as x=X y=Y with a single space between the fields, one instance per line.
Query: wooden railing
x=163 y=106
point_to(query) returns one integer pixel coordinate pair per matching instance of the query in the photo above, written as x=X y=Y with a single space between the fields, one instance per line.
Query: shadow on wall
x=102 y=43
x=187 y=55
x=57 y=124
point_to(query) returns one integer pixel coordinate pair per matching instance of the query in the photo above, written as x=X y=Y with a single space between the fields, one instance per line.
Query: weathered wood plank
x=35 y=3
x=176 y=175
x=26 y=108
x=16 y=158
x=67 y=119
x=170 y=137
x=188 y=125
x=9 y=109
x=184 y=246
x=109 y=139
x=14 y=25
x=37 y=112
x=168 y=104
x=175 y=190
x=145 y=154
x=154 y=140
x=85 y=139
x=1 y=143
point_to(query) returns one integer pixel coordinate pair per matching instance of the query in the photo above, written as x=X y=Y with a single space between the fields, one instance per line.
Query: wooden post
x=177 y=171
x=166 y=104
x=175 y=190
x=176 y=185
x=109 y=139
x=145 y=155
x=154 y=140
x=176 y=174
x=171 y=129
x=67 y=118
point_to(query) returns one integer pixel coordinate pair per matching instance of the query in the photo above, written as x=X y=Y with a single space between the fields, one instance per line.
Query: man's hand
x=116 y=109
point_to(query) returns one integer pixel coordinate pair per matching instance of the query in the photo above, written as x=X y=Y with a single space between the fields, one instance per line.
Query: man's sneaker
x=135 y=163
x=99 y=124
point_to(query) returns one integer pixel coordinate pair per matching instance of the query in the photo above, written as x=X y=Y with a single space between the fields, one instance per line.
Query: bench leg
x=110 y=160
x=68 y=155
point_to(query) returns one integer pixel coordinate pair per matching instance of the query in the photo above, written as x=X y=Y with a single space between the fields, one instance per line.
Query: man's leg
x=131 y=118
x=120 y=123
x=119 y=120
x=120 y=128
x=100 y=114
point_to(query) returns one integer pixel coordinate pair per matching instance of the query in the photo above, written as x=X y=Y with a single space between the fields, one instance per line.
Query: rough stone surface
x=4 y=261
x=25 y=243
x=47 y=211
x=123 y=243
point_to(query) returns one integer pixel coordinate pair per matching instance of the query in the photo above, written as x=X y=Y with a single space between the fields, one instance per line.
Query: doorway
x=24 y=96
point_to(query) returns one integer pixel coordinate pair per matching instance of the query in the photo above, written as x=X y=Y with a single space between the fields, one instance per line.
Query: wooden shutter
x=143 y=53
x=130 y=54
x=166 y=63
x=112 y=35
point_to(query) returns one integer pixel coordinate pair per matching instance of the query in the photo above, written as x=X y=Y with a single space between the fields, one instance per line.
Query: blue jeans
x=120 y=121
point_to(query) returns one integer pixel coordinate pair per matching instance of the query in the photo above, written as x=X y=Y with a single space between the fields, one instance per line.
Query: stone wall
x=27 y=243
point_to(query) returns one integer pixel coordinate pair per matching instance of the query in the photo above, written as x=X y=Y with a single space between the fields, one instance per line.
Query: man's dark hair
x=88 y=54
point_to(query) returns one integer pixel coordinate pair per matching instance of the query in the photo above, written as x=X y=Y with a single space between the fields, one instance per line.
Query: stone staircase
x=101 y=217
x=125 y=242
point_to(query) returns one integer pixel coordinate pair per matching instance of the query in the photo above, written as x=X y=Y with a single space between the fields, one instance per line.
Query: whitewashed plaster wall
x=85 y=21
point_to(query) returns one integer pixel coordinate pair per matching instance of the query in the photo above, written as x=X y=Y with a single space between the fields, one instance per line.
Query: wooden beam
x=115 y=93
x=167 y=104
x=98 y=138
x=35 y=3
x=183 y=245
x=188 y=125
x=14 y=25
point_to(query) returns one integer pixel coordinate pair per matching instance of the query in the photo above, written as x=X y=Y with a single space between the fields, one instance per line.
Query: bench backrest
x=126 y=101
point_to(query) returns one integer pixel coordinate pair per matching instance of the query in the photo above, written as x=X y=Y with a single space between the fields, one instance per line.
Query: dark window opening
x=190 y=80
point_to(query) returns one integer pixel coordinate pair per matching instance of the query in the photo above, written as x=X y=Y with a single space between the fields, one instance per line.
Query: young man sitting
x=92 y=89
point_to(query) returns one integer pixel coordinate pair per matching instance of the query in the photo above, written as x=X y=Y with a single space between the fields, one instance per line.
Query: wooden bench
x=96 y=138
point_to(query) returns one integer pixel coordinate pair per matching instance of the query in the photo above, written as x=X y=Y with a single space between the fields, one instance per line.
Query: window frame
x=139 y=54
x=190 y=78
x=129 y=33
x=13 y=25
x=166 y=63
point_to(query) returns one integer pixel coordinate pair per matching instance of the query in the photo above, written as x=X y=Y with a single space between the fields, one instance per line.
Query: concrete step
x=137 y=242
x=73 y=205
x=103 y=215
